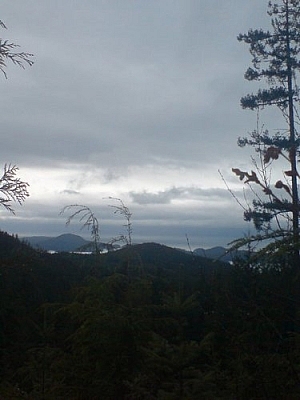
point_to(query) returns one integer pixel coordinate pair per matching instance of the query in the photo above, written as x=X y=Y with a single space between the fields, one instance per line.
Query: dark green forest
x=146 y=322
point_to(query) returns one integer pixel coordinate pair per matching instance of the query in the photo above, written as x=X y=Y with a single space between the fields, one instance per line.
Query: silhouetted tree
x=123 y=210
x=276 y=60
x=8 y=52
x=12 y=188
x=88 y=219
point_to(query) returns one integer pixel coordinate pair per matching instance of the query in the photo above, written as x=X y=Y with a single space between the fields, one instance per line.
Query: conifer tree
x=276 y=61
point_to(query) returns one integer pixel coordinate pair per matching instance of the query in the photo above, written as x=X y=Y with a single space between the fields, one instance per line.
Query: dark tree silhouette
x=88 y=219
x=8 y=52
x=276 y=61
x=12 y=188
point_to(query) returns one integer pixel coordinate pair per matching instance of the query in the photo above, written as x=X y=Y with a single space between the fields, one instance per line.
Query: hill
x=71 y=243
x=50 y=276
x=162 y=262
x=220 y=253
x=145 y=319
x=66 y=242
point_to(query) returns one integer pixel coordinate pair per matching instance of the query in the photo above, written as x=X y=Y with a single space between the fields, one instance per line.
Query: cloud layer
x=136 y=100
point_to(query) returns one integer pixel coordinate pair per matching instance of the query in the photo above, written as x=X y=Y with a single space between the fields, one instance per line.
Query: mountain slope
x=152 y=257
x=64 y=242
x=220 y=253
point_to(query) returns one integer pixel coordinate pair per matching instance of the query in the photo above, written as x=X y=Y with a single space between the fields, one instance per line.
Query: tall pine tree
x=276 y=61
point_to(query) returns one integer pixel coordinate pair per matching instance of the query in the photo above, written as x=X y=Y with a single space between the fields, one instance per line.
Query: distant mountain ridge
x=220 y=253
x=70 y=242
x=65 y=242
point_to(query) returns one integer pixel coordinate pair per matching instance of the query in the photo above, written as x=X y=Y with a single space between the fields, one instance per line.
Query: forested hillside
x=145 y=322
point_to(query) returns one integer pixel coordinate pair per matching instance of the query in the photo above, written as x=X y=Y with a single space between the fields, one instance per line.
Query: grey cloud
x=166 y=196
x=138 y=87
x=110 y=176
x=118 y=85
x=207 y=223
x=163 y=197
x=70 y=192
x=205 y=226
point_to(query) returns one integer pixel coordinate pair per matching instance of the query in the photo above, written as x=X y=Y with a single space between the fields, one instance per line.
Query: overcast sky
x=134 y=99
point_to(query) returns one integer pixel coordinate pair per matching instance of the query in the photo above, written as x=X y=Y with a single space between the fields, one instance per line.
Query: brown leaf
x=252 y=177
x=239 y=173
x=272 y=153
x=280 y=185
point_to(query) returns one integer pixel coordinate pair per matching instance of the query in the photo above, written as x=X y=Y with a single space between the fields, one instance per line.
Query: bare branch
x=125 y=212
x=89 y=220
x=231 y=192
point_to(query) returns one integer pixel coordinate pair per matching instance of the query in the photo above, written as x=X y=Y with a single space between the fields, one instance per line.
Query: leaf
x=281 y=185
x=272 y=153
x=252 y=177
x=236 y=171
x=239 y=173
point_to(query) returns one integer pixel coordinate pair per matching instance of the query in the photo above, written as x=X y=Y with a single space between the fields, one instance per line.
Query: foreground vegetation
x=146 y=322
